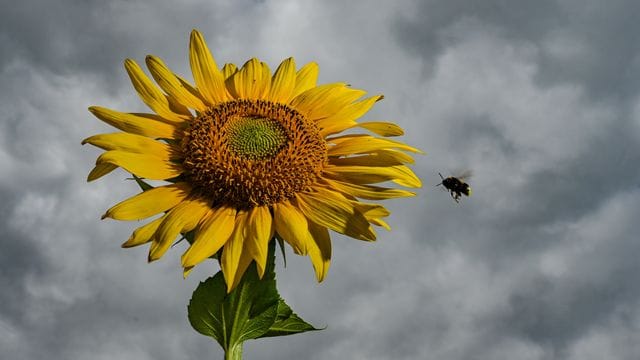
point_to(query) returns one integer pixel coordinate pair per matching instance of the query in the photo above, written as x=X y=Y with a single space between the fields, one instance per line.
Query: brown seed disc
x=246 y=153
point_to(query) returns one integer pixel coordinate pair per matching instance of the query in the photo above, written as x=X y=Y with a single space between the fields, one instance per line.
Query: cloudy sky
x=541 y=99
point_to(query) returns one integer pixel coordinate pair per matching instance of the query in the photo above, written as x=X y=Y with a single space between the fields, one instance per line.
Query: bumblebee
x=456 y=185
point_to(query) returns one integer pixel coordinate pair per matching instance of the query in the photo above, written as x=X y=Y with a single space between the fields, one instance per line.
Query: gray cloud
x=589 y=279
x=540 y=99
x=578 y=42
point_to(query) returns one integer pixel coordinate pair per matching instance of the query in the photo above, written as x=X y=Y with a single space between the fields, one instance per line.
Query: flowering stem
x=234 y=352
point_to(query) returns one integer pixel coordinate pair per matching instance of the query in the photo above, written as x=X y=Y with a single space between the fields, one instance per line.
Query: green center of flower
x=255 y=137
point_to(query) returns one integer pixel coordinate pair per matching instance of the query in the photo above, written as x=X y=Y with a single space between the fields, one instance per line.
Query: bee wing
x=464 y=175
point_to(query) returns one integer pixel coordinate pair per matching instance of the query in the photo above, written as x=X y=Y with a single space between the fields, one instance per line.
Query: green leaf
x=209 y=322
x=245 y=313
x=287 y=323
x=143 y=185
x=190 y=236
x=252 y=310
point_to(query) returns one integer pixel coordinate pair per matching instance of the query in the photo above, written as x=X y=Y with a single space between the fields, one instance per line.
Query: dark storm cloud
x=568 y=191
x=75 y=36
x=32 y=183
x=542 y=267
x=589 y=47
x=424 y=32
x=583 y=183
x=19 y=257
x=597 y=286
x=586 y=42
x=60 y=36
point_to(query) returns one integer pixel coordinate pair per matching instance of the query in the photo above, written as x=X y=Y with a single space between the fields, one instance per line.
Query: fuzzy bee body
x=456 y=185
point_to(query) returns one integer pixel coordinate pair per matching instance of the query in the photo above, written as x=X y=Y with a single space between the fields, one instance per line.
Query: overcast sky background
x=541 y=99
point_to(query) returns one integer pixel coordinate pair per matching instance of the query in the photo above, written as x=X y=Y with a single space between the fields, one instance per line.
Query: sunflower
x=248 y=156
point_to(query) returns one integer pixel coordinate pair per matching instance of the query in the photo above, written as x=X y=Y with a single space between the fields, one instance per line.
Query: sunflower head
x=247 y=155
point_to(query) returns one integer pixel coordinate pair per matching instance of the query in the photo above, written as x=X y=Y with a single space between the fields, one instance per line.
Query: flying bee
x=456 y=185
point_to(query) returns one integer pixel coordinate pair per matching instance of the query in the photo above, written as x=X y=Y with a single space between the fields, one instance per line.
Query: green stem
x=234 y=353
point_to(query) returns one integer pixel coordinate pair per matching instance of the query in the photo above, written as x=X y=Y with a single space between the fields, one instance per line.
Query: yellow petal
x=408 y=178
x=369 y=175
x=368 y=191
x=252 y=81
x=284 y=80
x=141 y=124
x=233 y=249
x=320 y=251
x=100 y=170
x=371 y=211
x=142 y=165
x=291 y=225
x=266 y=79
x=172 y=85
x=259 y=232
x=181 y=219
x=153 y=97
x=375 y=159
x=306 y=79
x=325 y=100
x=228 y=70
x=243 y=264
x=337 y=104
x=345 y=118
x=209 y=80
x=379 y=127
x=380 y=222
x=331 y=209
x=133 y=143
x=186 y=271
x=351 y=144
x=143 y=234
x=382 y=128
x=213 y=233
x=384 y=157
x=150 y=202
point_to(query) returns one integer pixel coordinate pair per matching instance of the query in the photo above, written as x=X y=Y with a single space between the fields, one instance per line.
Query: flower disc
x=245 y=153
